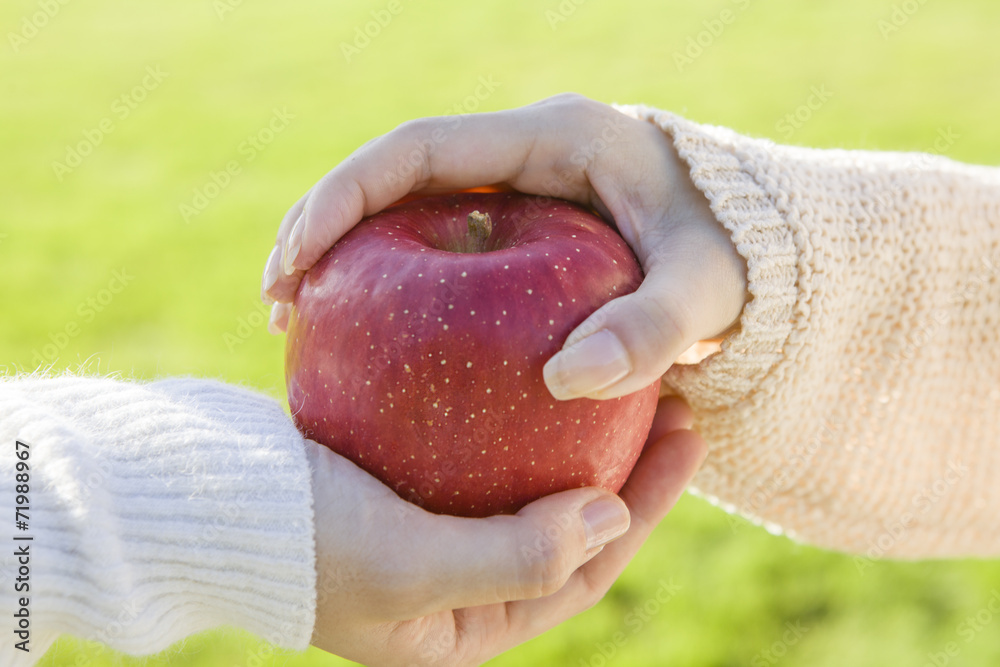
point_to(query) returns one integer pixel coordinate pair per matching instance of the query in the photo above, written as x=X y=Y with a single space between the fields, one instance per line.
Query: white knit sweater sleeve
x=157 y=510
x=858 y=406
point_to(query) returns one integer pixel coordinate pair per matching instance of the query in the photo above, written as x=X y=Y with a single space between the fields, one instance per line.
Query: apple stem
x=480 y=227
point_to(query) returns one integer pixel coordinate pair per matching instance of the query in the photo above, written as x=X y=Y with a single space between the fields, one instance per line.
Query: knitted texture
x=858 y=406
x=158 y=510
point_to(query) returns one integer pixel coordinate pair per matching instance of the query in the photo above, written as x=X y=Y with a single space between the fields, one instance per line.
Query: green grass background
x=194 y=282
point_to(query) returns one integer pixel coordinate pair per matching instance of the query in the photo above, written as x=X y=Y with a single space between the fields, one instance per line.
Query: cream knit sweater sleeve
x=858 y=406
x=157 y=510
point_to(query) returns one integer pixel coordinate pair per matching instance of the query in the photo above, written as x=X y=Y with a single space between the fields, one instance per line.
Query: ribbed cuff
x=724 y=169
x=163 y=509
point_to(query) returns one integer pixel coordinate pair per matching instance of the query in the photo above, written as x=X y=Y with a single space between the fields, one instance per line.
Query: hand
x=569 y=147
x=400 y=586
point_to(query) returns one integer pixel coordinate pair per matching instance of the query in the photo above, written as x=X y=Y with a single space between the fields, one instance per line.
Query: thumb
x=473 y=562
x=630 y=342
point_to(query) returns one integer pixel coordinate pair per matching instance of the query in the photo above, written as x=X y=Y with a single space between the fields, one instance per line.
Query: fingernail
x=604 y=520
x=277 y=312
x=294 y=244
x=270 y=274
x=592 y=364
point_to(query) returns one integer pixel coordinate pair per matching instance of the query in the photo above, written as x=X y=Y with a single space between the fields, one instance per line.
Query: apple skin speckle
x=455 y=418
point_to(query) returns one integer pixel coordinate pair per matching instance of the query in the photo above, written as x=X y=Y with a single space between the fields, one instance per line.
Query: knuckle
x=411 y=145
x=570 y=99
x=591 y=598
x=585 y=105
x=669 y=316
x=413 y=128
x=594 y=589
x=549 y=571
x=574 y=105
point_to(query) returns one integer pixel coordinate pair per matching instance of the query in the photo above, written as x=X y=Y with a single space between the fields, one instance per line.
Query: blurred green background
x=144 y=105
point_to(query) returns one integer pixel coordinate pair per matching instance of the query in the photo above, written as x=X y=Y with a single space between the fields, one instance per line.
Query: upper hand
x=569 y=147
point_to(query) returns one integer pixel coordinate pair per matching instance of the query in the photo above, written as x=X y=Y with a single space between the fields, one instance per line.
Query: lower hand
x=400 y=586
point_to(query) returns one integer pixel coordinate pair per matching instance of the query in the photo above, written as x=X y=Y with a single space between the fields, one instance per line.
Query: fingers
x=456 y=563
x=444 y=152
x=534 y=149
x=658 y=481
x=274 y=285
x=473 y=634
x=672 y=414
x=278 y=321
x=650 y=493
x=625 y=345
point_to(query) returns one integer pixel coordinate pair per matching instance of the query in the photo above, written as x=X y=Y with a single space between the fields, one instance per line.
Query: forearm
x=159 y=510
x=864 y=376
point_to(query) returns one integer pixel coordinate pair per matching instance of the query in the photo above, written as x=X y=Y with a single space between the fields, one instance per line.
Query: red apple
x=416 y=344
